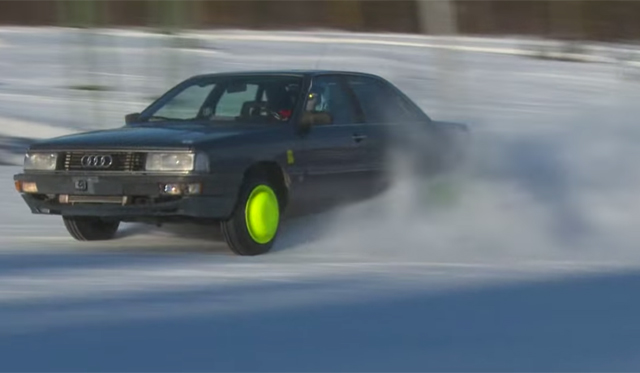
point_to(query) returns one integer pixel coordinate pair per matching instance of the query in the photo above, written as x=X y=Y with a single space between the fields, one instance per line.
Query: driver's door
x=333 y=155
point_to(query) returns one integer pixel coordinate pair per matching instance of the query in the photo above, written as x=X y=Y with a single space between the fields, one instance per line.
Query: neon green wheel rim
x=262 y=214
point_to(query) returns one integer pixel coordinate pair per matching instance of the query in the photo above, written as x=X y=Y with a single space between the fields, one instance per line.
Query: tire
x=90 y=228
x=253 y=226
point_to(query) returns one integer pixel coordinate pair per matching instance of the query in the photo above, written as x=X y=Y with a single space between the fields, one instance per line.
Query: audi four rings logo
x=96 y=161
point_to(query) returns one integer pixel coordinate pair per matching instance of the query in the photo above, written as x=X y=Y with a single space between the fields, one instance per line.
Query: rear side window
x=380 y=103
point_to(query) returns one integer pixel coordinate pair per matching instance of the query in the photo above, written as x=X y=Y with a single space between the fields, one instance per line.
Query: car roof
x=293 y=72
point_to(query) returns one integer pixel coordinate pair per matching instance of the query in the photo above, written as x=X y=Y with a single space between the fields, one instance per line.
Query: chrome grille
x=122 y=161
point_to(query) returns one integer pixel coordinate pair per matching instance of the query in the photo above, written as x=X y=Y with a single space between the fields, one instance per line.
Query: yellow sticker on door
x=290 y=159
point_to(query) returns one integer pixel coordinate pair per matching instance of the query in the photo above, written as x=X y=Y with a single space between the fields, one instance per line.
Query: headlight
x=40 y=161
x=169 y=162
x=177 y=162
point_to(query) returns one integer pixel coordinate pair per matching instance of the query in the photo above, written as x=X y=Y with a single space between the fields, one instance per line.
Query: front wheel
x=253 y=226
x=90 y=228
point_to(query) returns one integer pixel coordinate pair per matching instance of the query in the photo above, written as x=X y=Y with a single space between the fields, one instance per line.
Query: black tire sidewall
x=90 y=228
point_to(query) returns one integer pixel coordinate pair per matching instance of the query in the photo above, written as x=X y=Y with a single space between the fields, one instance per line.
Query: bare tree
x=438 y=17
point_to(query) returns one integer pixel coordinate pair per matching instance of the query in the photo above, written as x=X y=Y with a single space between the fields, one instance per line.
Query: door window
x=327 y=96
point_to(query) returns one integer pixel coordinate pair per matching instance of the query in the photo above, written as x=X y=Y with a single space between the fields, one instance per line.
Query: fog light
x=178 y=189
x=194 y=188
x=29 y=187
x=172 y=189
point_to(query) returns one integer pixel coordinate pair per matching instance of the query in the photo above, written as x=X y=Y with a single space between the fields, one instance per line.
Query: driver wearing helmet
x=315 y=108
x=315 y=101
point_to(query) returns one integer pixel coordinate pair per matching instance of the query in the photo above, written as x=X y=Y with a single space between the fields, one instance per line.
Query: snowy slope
x=531 y=265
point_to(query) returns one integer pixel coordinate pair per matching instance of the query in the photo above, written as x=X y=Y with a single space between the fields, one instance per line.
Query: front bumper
x=216 y=200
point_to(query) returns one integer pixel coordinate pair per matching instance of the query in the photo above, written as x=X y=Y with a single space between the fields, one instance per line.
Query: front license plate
x=81 y=185
x=85 y=185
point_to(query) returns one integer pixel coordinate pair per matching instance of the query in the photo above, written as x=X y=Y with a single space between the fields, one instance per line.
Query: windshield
x=244 y=99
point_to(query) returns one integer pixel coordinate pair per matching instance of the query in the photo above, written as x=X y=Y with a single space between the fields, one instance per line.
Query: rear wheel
x=254 y=224
x=90 y=228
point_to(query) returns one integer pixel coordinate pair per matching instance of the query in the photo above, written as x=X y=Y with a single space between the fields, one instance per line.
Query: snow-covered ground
x=533 y=264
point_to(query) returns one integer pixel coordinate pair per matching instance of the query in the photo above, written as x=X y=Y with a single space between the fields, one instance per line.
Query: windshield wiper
x=158 y=118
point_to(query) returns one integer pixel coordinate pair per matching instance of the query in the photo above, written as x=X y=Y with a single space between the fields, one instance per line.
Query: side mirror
x=318 y=118
x=305 y=122
x=131 y=118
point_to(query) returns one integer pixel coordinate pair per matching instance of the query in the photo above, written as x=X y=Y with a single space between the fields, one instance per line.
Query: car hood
x=165 y=136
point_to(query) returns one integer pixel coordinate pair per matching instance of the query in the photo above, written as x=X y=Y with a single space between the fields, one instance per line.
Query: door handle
x=357 y=137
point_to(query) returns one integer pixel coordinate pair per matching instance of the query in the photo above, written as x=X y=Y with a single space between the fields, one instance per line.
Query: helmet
x=315 y=97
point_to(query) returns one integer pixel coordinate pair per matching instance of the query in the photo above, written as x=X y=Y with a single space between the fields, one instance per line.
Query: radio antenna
x=324 y=53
